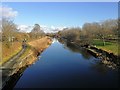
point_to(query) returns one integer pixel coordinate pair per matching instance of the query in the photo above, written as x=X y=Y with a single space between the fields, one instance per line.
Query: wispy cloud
x=8 y=12
x=51 y=29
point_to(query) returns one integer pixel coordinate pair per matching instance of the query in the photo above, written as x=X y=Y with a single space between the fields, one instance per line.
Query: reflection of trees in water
x=75 y=49
x=83 y=52
x=99 y=66
x=61 y=41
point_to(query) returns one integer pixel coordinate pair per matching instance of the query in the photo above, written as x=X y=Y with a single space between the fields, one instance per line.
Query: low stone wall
x=108 y=58
x=105 y=53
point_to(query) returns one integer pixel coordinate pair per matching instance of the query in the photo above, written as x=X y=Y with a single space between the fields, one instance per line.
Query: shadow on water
x=75 y=49
x=13 y=79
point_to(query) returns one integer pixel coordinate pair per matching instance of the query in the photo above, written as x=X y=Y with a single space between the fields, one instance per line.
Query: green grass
x=98 y=42
x=109 y=46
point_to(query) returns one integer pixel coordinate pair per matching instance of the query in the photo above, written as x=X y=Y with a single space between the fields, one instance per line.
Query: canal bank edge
x=33 y=49
x=107 y=58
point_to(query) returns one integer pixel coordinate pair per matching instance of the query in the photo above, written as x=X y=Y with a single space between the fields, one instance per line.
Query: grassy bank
x=34 y=48
x=0 y=52
x=9 y=52
x=40 y=44
x=111 y=47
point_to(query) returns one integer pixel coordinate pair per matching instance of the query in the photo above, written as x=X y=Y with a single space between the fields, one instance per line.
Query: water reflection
x=54 y=40
x=65 y=66
x=99 y=67
x=73 y=48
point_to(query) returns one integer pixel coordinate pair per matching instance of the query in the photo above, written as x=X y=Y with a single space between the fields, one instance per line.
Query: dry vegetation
x=30 y=55
x=105 y=32
x=33 y=49
x=36 y=47
x=12 y=39
x=40 y=44
x=7 y=53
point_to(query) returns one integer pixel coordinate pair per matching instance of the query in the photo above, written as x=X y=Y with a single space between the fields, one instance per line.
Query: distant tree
x=37 y=32
x=8 y=29
x=71 y=34
x=108 y=30
x=0 y=25
x=104 y=30
x=110 y=27
x=87 y=33
x=118 y=29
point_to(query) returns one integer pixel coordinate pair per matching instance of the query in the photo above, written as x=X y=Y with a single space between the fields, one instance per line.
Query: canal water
x=65 y=66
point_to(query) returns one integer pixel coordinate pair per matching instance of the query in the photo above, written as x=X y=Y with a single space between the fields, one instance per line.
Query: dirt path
x=12 y=61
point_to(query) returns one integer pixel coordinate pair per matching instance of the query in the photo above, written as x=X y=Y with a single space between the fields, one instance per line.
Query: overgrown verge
x=34 y=48
x=8 y=53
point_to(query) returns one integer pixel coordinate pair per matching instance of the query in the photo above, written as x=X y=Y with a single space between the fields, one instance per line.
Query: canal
x=65 y=66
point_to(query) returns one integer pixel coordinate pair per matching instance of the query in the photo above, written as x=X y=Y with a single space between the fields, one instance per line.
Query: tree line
x=106 y=31
x=10 y=32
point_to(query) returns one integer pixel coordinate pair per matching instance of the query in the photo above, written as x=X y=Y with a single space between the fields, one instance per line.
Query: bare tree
x=105 y=30
x=9 y=30
x=87 y=33
x=71 y=34
x=108 y=30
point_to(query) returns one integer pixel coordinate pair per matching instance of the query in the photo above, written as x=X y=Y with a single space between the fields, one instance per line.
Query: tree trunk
x=103 y=41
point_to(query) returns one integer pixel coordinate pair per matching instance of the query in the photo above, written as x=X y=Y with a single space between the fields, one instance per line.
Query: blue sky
x=60 y=14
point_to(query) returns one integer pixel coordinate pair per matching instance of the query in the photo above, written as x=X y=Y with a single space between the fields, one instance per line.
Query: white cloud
x=51 y=29
x=25 y=28
x=60 y=28
x=46 y=29
x=8 y=12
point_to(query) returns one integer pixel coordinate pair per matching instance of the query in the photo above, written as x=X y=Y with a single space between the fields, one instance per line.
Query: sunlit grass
x=98 y=42
x=26 y=52
x=8 y=53
x=0 y=51
x=109 y=46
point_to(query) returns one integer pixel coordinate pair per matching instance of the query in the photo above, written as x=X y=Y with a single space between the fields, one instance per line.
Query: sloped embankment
x=34 y=48
x=38 y=46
